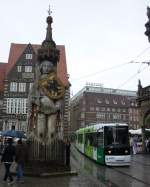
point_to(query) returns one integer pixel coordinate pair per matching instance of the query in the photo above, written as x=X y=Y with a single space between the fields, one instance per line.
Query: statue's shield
x=52 y=86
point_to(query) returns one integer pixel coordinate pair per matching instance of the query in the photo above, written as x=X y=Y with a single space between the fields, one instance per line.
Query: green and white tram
x=105 y=143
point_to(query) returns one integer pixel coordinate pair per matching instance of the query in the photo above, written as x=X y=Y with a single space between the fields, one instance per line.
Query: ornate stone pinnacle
x=49 y=11
x=48 y=50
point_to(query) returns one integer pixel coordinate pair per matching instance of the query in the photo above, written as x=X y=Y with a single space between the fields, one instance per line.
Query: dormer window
x=28 y=69
x=28 y=56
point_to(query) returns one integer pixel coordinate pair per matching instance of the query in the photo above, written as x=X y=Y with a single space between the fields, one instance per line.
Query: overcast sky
x=101 y=37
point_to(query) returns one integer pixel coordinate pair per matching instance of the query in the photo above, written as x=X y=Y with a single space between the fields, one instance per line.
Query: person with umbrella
x=21 y=157
x=8 y=158
x=13 y=133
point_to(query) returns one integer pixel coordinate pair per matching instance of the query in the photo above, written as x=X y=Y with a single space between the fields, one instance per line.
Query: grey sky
x=97 y=34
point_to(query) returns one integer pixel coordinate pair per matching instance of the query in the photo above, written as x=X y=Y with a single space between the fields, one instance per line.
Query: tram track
x=142 y=163
x=106 y=180
x=76 y=163
x=131 y=176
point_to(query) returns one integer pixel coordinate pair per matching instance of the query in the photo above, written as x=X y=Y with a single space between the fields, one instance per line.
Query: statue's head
x=46 y=67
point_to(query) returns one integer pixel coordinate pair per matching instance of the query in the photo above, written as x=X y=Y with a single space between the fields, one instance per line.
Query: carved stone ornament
x=52 y=86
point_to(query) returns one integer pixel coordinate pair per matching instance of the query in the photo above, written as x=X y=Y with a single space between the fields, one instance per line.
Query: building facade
x=19 y=75
x=143 y=101
x=17 y=84
x=96 y=104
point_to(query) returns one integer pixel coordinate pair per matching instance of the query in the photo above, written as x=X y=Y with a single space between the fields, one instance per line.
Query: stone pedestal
x=47 y=158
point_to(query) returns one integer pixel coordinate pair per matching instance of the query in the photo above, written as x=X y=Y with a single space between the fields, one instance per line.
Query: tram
x=105 y=143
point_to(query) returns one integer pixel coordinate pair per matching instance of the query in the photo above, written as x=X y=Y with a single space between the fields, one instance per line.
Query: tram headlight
x=109 y=151
x=126 y=151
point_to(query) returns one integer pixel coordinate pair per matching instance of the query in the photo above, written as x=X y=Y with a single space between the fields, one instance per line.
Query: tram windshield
x=116 y=135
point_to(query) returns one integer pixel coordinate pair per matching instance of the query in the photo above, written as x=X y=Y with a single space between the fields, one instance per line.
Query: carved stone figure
x=46 y=96
x=45 y=104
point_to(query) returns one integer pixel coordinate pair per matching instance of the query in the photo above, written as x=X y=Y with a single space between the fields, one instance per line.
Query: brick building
x=94 y=104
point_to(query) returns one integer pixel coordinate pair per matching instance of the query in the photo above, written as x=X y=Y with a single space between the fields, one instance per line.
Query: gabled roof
x=3 y=67
x=16 y=51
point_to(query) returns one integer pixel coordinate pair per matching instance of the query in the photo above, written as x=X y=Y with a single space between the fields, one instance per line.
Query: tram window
x=89 y=139
x=108 y=136
x=95 y=142
x=94 y=139
x=122 y=135
x=80 y=138
x=100 y=138
x=116 y=135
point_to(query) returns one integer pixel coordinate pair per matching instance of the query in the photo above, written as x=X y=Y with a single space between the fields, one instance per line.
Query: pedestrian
x=20 y=159
x=134 y=145
x=148 y=145
x=131 y=144
x=8 y=158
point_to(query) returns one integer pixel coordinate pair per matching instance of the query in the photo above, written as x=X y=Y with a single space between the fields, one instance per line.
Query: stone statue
x=46 y=96
x=45 y=103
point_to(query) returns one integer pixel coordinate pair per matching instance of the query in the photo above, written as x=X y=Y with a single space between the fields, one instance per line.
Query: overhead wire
x=141 y=53
x=139 y=69
x=130 y=78
x=104 y=70
x=113 y=67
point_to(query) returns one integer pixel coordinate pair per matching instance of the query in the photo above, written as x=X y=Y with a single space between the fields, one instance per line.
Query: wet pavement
x=137 y=175
x=80 y=180
x=91 y=174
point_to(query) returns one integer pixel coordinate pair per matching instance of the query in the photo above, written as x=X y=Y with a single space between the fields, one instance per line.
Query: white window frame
x=99 y=101
x=115 y=102
x=16 y=106
x=19 y=68
x=30 y=85
x=123 y=102
x=100 y=115
x=29 y=56
x=28 y=69
x=107 y=101
x=22 y=87
x=82 y=115
x=97 y=108
x=13 y=86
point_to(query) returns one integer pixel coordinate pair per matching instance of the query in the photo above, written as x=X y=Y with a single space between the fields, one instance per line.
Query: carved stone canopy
x=48 y=50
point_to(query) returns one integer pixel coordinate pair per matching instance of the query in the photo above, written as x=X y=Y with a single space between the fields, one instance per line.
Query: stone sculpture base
x=46 y=158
